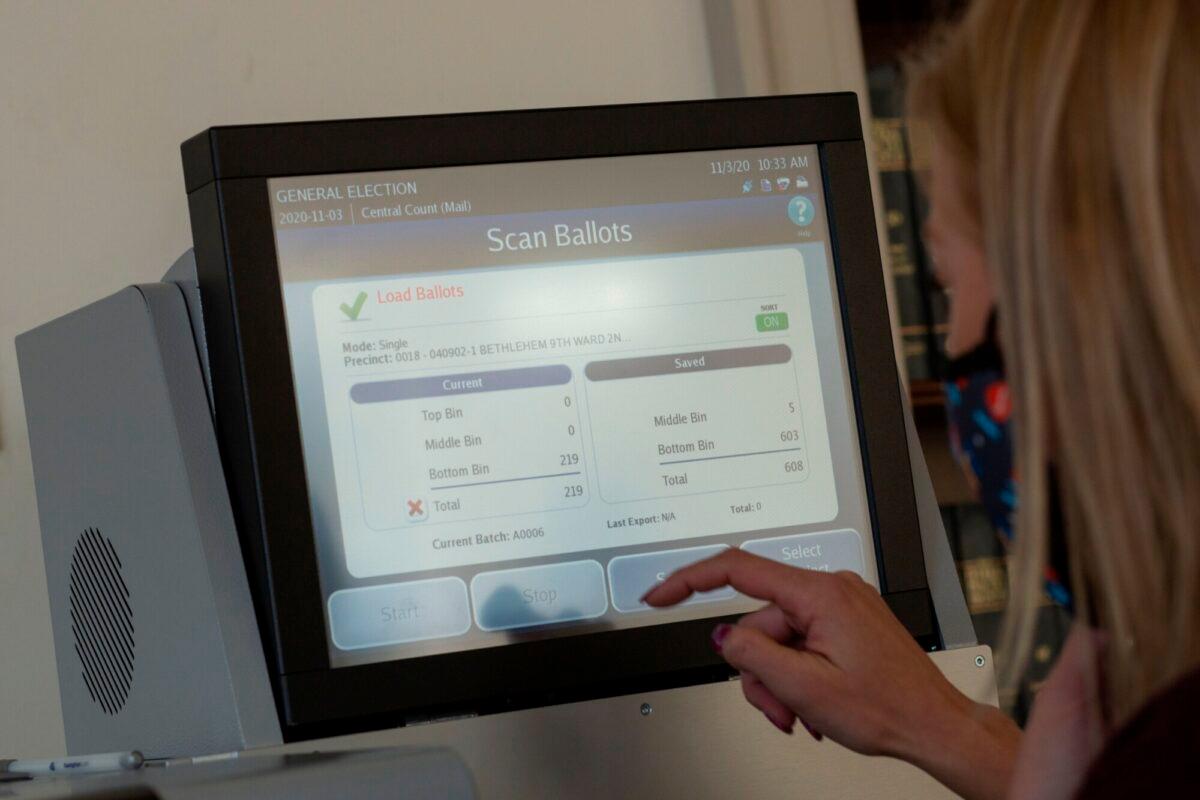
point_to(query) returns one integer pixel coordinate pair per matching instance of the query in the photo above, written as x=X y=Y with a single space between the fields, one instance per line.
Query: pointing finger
x=751 y=575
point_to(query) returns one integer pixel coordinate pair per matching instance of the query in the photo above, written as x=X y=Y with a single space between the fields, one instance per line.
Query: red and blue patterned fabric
x=979 y=409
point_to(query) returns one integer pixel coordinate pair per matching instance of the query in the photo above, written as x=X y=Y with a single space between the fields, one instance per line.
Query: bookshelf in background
x=983 y=569
x=890 y=30
x=920 y=303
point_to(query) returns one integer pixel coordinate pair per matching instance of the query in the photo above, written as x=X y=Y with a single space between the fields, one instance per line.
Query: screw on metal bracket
x=980 y=661
x=647 y=709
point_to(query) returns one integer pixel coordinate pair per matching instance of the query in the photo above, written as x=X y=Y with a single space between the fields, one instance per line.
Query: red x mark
x=414 y=508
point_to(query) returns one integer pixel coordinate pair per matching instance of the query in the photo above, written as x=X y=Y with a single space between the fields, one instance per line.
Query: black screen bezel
x=226 y=171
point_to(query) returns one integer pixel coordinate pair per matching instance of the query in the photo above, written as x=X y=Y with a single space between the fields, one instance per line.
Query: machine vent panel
x=101 y=620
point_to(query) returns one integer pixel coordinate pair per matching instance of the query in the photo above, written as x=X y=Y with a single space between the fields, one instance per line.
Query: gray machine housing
x=154 y=630
x=424 y=773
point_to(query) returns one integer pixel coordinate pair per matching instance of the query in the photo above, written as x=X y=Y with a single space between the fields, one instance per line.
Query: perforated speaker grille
x=101 y=620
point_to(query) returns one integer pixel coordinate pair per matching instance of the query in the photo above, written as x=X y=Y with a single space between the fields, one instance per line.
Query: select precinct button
x=827 y=552
x=543 y=595
x=632 y=576
x=397 y=613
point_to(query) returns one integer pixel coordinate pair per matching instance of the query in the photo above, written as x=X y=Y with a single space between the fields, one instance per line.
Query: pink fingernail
x=718 y=635
x=785 y=728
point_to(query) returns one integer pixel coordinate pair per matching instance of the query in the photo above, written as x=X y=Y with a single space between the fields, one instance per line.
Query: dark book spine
x=892 y=160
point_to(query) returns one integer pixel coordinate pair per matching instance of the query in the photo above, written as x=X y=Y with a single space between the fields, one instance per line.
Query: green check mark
x=353 y=311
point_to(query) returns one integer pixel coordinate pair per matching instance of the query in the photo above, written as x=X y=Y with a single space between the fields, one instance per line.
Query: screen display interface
x=527 y=392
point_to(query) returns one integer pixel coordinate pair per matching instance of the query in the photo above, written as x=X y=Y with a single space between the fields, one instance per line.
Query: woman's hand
x=1066 y=731
x=827 y=650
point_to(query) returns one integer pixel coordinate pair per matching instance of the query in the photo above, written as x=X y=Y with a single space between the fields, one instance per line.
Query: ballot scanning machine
x=400 y=444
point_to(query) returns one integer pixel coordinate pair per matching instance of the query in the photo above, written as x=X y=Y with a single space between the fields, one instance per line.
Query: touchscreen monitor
x=481 y=380
x=526 y=392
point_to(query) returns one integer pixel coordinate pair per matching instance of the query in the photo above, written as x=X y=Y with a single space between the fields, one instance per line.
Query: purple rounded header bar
x=461 y=383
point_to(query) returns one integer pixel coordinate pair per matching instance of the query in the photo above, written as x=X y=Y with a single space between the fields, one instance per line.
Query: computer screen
x=528 y=391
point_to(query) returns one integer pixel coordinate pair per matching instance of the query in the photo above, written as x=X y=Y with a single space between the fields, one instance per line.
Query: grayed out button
x=828 y=552
x=632 y=576
x=532 y=596
x=396 y=613
x=678 y=363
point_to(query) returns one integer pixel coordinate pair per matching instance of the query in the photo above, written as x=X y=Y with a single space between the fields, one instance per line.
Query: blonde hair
x=1076 y=138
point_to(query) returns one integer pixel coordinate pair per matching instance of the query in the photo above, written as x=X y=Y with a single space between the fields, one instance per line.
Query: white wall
x=95 y=99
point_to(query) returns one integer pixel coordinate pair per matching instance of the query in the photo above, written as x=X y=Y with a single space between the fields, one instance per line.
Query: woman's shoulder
x=1159 y=748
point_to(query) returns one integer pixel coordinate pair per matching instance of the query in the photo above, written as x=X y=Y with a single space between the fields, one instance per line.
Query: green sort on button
x=776 y=321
